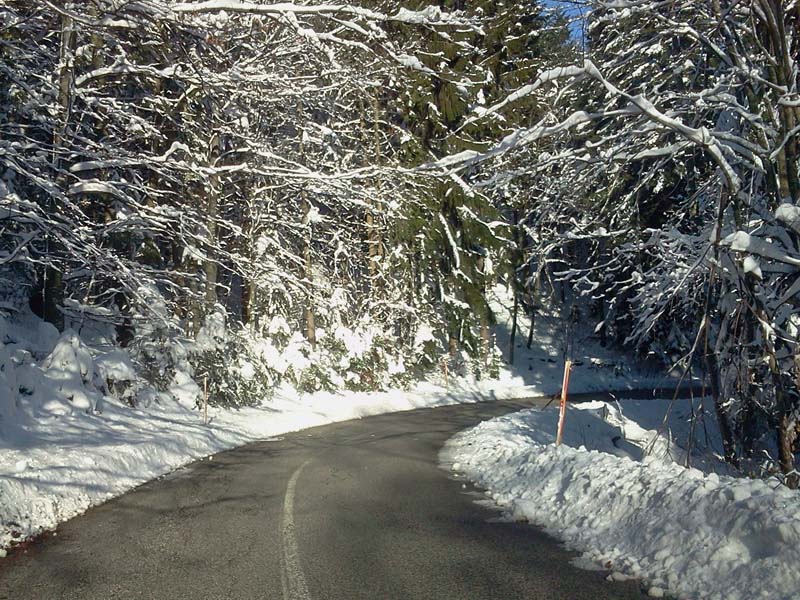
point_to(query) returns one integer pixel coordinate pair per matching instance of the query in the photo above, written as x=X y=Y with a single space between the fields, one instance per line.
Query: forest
x=237 y=191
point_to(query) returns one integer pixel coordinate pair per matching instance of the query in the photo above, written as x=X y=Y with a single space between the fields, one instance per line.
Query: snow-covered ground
x=618 y=491
x=541 y=368
x=66 y=444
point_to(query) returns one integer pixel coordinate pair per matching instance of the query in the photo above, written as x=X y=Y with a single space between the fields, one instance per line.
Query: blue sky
x=571 y=8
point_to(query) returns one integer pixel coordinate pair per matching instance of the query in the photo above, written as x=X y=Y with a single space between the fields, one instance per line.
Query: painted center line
x=293 y=580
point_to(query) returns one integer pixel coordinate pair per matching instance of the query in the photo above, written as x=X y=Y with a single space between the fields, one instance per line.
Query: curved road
x=352 y=510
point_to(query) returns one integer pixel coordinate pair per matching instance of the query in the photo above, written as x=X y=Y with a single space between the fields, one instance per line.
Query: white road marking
x=293 y=580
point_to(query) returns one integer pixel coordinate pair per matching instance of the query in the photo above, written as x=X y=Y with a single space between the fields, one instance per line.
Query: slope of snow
x=559 y=336
x=616 y=491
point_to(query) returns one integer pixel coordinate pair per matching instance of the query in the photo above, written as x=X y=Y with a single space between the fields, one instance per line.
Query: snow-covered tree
x=170 y=164
x=665 y=173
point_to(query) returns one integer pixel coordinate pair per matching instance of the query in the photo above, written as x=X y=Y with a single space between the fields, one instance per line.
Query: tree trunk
x=310 y=325
x=452 y=342
x=516 y=261
x=533 y=297
x=210 y=267
x=373 y=235
x=480 y=267
x=485 y=340
x=787 y=436
x=248 y=299
x=787 y=429
x=729 y=446
x=785 y=76
x=513 y=336
x=53 y=288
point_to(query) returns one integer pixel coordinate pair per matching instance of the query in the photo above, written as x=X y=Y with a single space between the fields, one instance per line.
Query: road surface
x=347 y=511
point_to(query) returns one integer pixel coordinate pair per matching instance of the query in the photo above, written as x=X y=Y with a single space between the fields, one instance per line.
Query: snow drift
x=686 y=532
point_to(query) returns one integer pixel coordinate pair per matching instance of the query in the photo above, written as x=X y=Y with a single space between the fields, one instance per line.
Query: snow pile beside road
x=688 y=533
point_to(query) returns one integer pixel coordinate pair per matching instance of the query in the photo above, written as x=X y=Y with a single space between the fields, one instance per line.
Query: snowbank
x=690 y=533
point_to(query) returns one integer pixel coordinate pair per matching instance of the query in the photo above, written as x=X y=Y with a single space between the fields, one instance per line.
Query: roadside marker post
x=563 y=411
x=205 y=400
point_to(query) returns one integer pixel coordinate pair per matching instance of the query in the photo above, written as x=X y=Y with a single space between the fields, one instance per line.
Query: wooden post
x=205 y=399
x=562 y=413
x=445 y=372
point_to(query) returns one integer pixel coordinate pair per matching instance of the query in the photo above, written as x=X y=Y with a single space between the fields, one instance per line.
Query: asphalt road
x=347 y=511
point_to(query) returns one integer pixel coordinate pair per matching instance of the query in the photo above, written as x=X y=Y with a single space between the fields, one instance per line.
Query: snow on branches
x=678 y=131
x=164 y=161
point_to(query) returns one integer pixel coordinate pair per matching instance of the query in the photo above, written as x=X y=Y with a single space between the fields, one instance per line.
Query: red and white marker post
x=562 y=413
